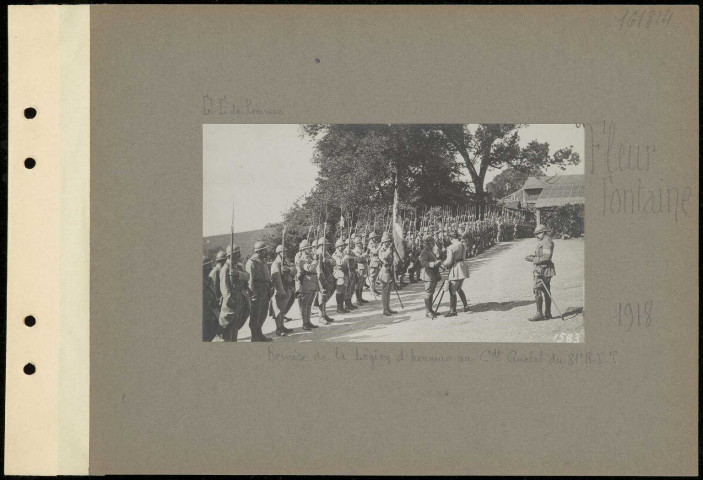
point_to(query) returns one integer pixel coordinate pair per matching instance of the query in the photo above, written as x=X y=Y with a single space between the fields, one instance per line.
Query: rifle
x=231 y=245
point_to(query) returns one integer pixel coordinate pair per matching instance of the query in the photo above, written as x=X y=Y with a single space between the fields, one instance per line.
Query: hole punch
x=30 y=321
x=30 y=113
x=29 y=369
x=29 y=163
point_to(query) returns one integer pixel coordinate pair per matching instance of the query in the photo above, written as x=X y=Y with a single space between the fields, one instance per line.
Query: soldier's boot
x=452 y=305
x=374 y=289
x=539 y=315
x=360 y=297
x=219 y=336
x=547 y=307
x=386 y=301
x=462 y=295
x=340 y=303
x=428 y=307
x=349 y=305
x=326 y=317
x=281 y=331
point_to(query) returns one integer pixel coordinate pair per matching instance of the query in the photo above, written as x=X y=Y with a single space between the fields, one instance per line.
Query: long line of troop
x=234 y=293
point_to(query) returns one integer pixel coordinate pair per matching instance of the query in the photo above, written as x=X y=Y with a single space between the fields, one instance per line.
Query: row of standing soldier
x=234 y=293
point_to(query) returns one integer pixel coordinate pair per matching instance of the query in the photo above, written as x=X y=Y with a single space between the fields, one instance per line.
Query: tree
x=491 y=146
x=357 y=165
x=508 y=181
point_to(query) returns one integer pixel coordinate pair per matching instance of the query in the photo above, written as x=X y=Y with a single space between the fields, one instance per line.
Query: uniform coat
x=210 y=309
x=454 y=262
x=260 y=286
x=235 y=297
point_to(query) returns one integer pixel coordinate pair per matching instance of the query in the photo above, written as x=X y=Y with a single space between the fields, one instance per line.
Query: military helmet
x=221 y=255
x=279 y=249
x=205 y=260
x=385 y=238
x=540 y=228
x=453 y=234
x=314 y=243
x=258 y=246
x=373 y=235
x=304 y=245
x=322 y=242
x=358 y=241
x=340 y=243
x=428 y=239
x=236 y=249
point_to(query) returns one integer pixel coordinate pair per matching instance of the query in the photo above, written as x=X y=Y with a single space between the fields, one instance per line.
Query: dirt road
x=500 y=298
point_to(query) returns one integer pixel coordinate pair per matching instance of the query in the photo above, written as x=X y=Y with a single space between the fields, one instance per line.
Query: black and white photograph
x=393 y=233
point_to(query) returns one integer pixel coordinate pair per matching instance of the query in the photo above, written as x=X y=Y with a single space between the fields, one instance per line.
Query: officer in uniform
x=341 y=275
x=458 y=271
x=429 y=273
x=234 y=290
x=260 y=287
x=542 y=273
x=220 y=260
x=362 y=268
x=326 y=281
x=386 y=275
x=211 y=307
x=306 y=281
x=283 y=291
x=374 y=262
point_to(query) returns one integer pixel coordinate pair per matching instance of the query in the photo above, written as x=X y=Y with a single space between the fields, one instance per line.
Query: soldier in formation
x=284 y=290
x=362 y=269
x=306 y=281
x=386 y=276
x=236 y=297
x=326 y=281
x=233 y=293
x=211 y=307
x=374 y=262
x=260 y=286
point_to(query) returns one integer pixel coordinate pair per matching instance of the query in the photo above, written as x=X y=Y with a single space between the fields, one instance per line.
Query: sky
x=264 y=168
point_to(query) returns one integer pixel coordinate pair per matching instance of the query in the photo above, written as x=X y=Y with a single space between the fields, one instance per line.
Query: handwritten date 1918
x=634 y=314
x=645 y=18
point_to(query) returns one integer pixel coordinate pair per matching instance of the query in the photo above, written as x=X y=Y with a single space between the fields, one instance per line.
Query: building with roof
x=540 y=193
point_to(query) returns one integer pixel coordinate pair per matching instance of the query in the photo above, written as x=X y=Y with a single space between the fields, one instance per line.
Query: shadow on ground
x=499 y=306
